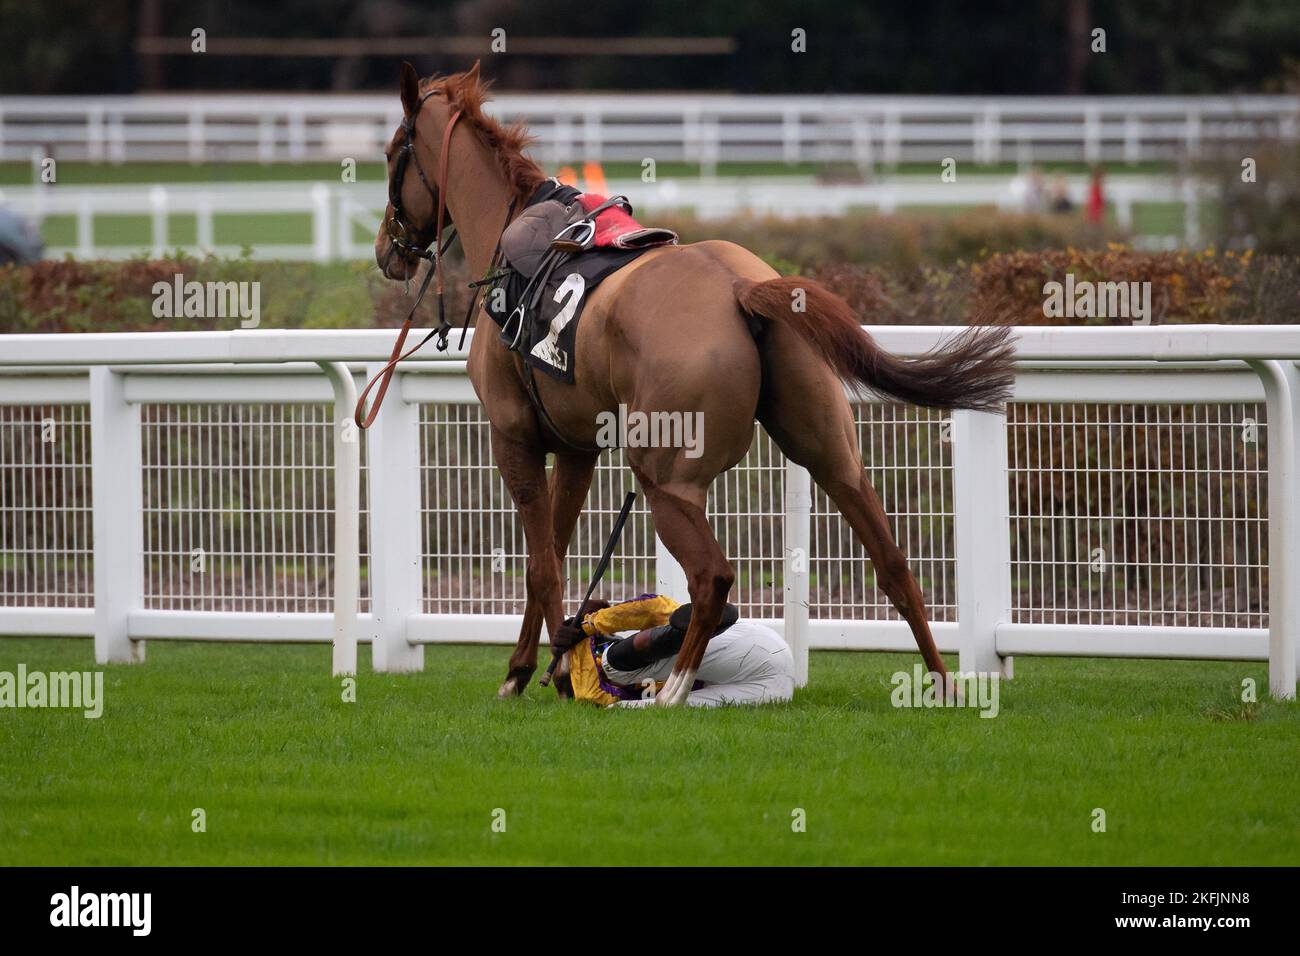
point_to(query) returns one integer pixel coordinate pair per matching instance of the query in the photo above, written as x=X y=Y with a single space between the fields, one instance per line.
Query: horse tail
x=974 y=369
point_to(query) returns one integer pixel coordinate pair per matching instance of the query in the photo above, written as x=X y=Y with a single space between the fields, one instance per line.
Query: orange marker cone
x=594 y=174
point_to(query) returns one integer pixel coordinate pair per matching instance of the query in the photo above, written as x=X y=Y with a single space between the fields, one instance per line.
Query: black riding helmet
x=665 y=641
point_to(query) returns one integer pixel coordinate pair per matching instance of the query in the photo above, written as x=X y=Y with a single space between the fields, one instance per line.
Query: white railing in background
x=225 y=443
x=342 y=218
x=697 y=128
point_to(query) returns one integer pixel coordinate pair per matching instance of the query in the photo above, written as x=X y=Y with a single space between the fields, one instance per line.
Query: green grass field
x=411 y=773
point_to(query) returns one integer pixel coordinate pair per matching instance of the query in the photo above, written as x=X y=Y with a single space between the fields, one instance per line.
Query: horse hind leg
x=819 y=433
x=861 y=507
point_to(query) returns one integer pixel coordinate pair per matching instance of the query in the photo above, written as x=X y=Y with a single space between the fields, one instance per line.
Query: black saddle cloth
x=545 y=329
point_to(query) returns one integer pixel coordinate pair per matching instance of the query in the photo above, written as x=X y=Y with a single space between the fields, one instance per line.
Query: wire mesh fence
x=46 y=556
x=475 y=560
x=1139 y=514
x=238 y=507
x=1119 y=514
x=907 y=454
x=474 y=553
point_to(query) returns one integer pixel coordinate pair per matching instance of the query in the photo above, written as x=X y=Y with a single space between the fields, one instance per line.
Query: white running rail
x=340 y=220
x=707 y=129
x=204 y=486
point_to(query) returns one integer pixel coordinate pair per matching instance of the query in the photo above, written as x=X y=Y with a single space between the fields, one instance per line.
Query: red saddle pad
x=615 y=229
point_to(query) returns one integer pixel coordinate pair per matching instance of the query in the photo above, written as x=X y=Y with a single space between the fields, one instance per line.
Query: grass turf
x=259 y=737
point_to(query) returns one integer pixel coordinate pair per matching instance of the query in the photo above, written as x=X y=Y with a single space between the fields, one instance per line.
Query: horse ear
x=471 y=75
x=409 y=83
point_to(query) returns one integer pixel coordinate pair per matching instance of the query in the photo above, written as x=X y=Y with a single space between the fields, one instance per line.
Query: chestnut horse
x=706 y=327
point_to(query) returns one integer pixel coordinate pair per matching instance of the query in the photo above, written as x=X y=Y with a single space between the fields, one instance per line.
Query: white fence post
x=321 y=231
x=297 y=126
x=798 y=537
x=562 y=140
x=1192 y=134
x=982 y=539
x=1191 y=214
x=117 y=521
x=204 y=232
x=1092 y=135
x=347 y=517
x=266 y=139
x=343 y=228
x=396 y=586
x=158 y=227
x=670 y=578
x=197 y=139
x=993 y=135
x=862 y=154
x=85 y=230
x=116 y=139
x=1282 y=394
x=791 y=137
x=1123 y=201
x=1132 y=139
x=95 y=134
x=892 y=140
x=592 y=136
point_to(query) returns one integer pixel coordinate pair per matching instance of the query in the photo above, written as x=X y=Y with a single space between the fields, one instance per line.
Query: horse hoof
x=676 y=690
x=509 y=689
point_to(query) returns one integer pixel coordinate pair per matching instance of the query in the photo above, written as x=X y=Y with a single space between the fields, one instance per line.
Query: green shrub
x=911 y=281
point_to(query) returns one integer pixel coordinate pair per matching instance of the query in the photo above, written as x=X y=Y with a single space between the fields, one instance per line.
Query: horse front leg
x=570 y=482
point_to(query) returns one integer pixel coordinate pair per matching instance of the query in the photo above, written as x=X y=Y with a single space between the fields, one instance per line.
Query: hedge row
x=891 y=270
x=1009 y=286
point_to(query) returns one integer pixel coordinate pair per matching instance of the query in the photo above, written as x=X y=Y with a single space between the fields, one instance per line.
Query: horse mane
x=507 y=143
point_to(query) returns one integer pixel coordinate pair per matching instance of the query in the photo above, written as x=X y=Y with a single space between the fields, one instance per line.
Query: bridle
x=398 y=233
x=399 y=236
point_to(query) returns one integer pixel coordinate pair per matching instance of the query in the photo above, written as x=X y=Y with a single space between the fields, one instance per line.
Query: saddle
x=562 y=232
x=527 y=240
x=587 y=220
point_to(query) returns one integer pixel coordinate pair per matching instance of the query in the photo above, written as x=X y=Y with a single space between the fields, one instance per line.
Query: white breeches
x=745 y=664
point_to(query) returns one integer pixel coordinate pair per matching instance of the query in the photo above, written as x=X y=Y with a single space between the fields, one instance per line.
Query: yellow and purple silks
x=589 y=683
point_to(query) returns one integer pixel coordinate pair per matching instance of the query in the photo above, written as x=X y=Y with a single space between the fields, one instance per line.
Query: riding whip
x=599 y=573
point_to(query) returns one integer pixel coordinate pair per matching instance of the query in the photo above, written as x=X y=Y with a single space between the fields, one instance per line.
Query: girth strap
x=530 y=386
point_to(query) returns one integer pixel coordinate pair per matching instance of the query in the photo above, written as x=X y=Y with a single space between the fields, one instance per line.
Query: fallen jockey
x=744 y=663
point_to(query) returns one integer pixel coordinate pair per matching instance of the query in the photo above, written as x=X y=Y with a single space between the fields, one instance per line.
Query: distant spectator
x=1096 y=210
x=19 y=240
x=1061 y=195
